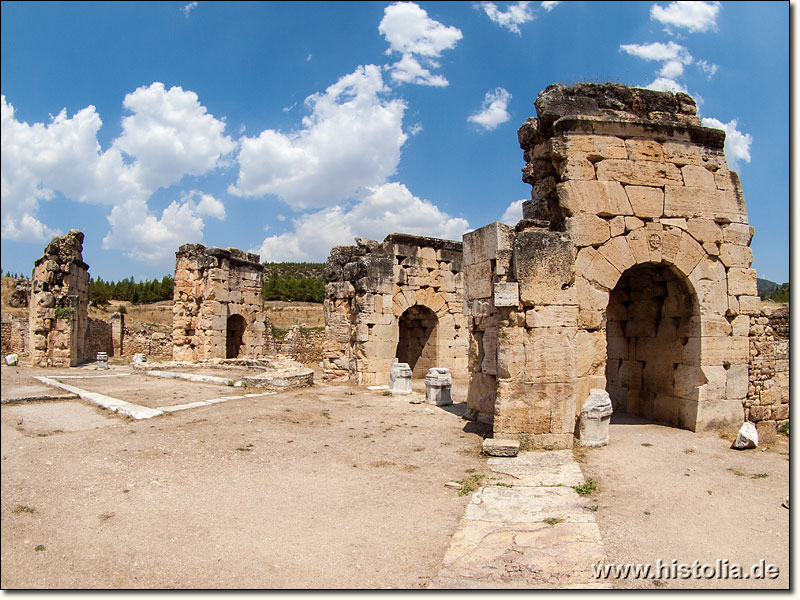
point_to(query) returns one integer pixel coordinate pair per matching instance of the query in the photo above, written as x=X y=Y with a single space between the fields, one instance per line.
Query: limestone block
x=699 y=202
x=587 y=229
x=481 y=393
x=638 y=243
x=602 y=198
x=438 y=383
x=590 y=147
x=688 y=255
x=511 y=353
x=552 y=316
x=489 y=346
x=575 y=168
x=639 y=149
x=737 y=233
x=685 y=153
x=617 y=252
x=749 y=305
x=500 y=447
x=596 y=268
x=478 y=280
x=742 y=281
x=506 y=294
x=617 y=225
x=746 y=438
x=720 y=350
x=639 y=172
x=544 y=267
x=632 y=223
x=734 y=255
x=591 y=319
x=482 y=244
x=646 y=202
x=595 y=417
x=737 y=382
x=680 y=223
x=708 y=280
x=704 y=230
x=591 y=352
x=550 y=355
x=696 y=176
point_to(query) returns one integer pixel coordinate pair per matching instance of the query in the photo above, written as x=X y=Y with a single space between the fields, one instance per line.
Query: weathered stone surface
x=646 y=202
x=500 y=447
x=595 y=418
x=544 y=266
x=506 y=294
x=438 y=383
x=746 y=438
x=602 y=198
x=400 y=379
x=639 y=172
x=587 y=229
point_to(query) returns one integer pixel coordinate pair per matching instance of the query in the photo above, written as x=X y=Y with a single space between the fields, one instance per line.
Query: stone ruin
x=218 y=309
x=629 y=272
x=59 y=304
x=397 y=301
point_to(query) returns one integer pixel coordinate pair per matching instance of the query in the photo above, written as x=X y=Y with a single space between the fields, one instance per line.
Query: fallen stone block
x=500 y=447
x=400 y=379
x=746 y=438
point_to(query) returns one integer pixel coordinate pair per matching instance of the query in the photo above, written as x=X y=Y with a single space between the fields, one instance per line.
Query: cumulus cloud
x=379 y=211
x=419 y=40
x=167 y=136
x=493 y=111
x=513 y=213
x=351 y=139
x=514 y=15
x=658 y=51
x=737 y=144
x=409 y=70
x=665 y=84
x=696 y=17
x=208 y=205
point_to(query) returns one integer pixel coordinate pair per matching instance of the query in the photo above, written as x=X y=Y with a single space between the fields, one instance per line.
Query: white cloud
x=409 y=29
x=419 y=40
x=549 y=5
x=380 y=210
x=709 y=69
x=208 y=205
x=493 y=111
x=737 y=144
x=167 y=136
x=511 y=18
x=409 y=70
x=351 y=139
x=658 y=51
x=187 y=8
x=693 y=16
x=671 y=69
x=665 y=84
x=513 y=213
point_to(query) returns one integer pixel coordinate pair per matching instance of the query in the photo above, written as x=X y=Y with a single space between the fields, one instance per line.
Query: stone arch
x=417 y=342
x=234 y=335
x=653 y=358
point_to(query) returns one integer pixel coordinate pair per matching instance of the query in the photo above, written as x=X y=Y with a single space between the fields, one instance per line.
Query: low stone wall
x=14 y=334
x=151 y=340
x=303 y=345
x=767 y=403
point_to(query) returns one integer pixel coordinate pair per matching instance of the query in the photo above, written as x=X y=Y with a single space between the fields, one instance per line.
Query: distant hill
x=294 y=282
x=766 y=287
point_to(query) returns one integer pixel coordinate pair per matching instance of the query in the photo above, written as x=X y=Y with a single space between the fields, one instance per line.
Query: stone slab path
x=539 y=533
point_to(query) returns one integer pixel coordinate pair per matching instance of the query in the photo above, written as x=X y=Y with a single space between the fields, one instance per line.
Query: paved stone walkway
x=537 y=534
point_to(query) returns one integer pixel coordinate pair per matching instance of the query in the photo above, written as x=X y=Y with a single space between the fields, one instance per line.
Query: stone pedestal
x=438 y=382
x=400 y=379
x=102 y=360
x=595 y=418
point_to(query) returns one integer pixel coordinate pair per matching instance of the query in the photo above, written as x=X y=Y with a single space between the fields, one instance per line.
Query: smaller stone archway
x=235 y=329
x=417 y=342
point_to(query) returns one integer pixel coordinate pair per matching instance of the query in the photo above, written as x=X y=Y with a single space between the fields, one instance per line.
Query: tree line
x=128 y=290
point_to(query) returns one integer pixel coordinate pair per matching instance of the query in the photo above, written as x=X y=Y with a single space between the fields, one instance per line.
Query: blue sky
x=287 y=128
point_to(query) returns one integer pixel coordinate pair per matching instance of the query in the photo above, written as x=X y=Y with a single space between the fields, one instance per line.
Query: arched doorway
x=417 y=343
x=233 y=337
x=653 y=345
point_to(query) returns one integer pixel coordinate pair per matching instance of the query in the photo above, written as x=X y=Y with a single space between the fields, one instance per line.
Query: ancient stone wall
x=219 y=309
x=767 y=402
x=14 y=334
x=303 y=345
x=58 y=311
x=152 y=340
x=99 y=338
x=630 y=271
x=400 y=299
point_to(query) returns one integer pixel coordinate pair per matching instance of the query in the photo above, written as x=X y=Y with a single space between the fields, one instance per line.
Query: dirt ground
x=665 y=493
x=329 y=487
x=332 y=487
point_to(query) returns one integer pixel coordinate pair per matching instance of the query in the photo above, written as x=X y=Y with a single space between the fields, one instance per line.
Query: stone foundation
x=767 y=403
x=400 y=299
